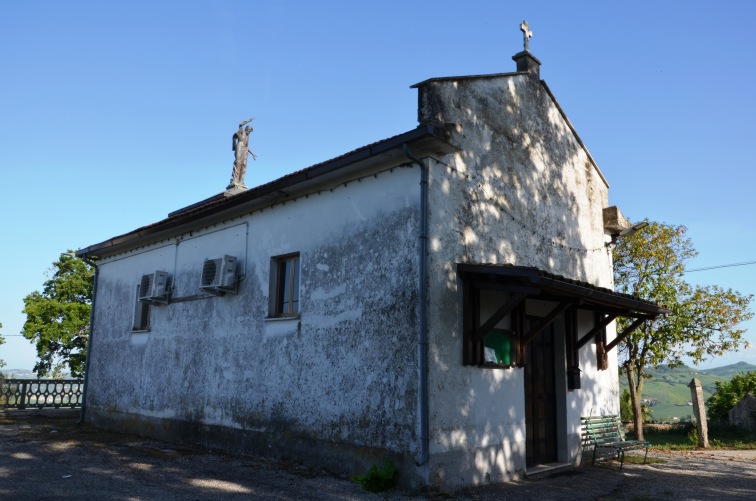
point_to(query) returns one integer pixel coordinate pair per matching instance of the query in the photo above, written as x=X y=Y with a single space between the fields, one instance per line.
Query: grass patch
x=677 y=437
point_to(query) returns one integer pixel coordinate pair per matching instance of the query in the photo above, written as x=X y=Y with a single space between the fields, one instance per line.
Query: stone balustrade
x=40 y=393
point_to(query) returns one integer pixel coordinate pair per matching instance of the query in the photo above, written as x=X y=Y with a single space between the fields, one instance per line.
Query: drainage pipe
x=89 y=339
x=422 y=345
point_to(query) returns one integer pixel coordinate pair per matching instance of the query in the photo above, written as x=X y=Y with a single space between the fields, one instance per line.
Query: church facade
x=441 y=299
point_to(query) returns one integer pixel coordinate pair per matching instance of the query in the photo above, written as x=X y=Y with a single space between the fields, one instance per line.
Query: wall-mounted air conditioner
x=154 y=288
x=219 y=275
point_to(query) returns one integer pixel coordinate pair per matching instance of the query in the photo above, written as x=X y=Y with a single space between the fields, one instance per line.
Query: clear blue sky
x=113 y=114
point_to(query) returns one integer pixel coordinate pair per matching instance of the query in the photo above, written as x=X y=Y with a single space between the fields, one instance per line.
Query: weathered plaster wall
x=522 y=191
x=599 y=394
x=342 y=376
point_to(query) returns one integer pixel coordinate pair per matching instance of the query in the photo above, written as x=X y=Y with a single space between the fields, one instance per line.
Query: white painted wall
x=345 y=373
x=522 y=191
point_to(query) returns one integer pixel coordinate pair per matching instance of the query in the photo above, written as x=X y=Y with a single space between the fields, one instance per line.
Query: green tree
x=703 y=321
x=2 y=341
x=626 y=408
x=57 y=319
x=3 y=398
x=729 y=393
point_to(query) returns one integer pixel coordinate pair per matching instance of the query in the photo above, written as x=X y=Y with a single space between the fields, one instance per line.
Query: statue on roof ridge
x=241 y=149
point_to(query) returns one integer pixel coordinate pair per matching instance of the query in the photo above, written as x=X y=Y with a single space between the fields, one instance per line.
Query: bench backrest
x=599 y=430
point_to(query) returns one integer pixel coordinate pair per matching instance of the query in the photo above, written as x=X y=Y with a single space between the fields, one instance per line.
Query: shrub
x=693 y=435
x=729 y=393
x=378 y=479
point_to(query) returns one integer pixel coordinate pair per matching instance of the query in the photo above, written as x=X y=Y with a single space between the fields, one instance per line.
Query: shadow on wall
x=522 y=191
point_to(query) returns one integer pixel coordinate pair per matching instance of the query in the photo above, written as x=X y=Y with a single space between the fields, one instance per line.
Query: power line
x=746 y=263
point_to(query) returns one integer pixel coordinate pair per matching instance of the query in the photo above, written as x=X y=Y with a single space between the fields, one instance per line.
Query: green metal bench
x=608 y=432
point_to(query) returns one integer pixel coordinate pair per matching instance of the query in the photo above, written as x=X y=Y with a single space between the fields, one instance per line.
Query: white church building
x=441 y=299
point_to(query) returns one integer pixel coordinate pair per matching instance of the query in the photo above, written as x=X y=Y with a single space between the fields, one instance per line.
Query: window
x=493 y=323
x=499 y=347
x=141 y=314
x=286 y=286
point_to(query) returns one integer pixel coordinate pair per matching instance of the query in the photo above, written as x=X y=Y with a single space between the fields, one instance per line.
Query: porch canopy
x=567 y=296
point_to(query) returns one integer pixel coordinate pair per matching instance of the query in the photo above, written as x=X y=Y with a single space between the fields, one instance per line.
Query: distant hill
x=667 y=391
x=19 y=374
x=728 y=371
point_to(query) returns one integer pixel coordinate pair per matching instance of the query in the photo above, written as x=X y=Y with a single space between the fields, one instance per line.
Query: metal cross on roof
x=526 y=35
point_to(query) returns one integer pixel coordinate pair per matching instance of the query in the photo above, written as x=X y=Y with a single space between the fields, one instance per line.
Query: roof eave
x=574 y=288
x=425 y=140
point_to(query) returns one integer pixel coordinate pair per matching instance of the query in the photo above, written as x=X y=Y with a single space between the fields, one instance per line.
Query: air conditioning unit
x=219 y=275
x=154 y=288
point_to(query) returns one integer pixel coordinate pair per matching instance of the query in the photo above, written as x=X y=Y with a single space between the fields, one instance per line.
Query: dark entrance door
x=540 y=399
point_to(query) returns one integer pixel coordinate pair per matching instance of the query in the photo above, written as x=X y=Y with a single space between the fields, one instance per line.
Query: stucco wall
x=523 y=192
x=344 y=375
x=343 y=379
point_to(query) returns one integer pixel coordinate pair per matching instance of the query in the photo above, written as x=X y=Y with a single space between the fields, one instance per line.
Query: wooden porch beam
x=583 y=340
x=548 y=319
x=638 y=322
x=502 y=312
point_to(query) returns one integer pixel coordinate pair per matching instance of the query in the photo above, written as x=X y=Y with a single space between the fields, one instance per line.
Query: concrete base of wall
x=338 y=458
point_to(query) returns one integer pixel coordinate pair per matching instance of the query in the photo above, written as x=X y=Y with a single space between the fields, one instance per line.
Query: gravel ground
x=45 y=458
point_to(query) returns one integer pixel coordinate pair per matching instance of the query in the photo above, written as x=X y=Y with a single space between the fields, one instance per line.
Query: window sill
x=139 y=338
x=283 y=319
x=494 y=366
x=139 y=331
x=279 y=327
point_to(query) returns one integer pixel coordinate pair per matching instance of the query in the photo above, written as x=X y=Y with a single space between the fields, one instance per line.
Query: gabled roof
x=548 y=91
x=424 y=140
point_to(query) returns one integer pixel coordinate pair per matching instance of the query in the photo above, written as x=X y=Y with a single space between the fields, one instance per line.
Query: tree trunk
x=635 y=400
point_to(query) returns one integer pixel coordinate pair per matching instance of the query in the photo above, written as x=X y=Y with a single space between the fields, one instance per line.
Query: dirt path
x=52 y=459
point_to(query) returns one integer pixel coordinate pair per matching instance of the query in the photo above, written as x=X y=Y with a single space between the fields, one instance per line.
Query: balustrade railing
x=40 y=393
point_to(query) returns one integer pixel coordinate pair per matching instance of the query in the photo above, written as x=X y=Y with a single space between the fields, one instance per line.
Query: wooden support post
x=602 y=360
x=573 y=352
x=468 y=353
x=696 y=396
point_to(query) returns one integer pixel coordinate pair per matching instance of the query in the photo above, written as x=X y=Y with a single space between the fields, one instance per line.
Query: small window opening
x=287 y=286
x=141 y=314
